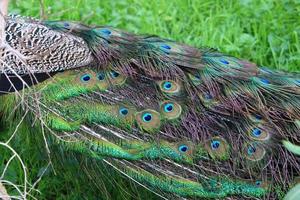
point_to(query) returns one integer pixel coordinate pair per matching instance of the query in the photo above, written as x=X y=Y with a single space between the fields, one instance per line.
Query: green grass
x=263 y=31
x=266 y=32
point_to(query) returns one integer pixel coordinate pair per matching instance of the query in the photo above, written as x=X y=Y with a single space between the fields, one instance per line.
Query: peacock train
x=184 y=122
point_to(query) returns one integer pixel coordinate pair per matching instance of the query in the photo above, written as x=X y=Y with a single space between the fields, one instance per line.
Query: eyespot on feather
x=102 y=80
x=116 y=78
x=148 y=120
x=262 y=81
x=254 y=151
x=86 y=78
x=170 y=110
x=179 y=151
x=195 y=78
x=257 y=118
x=185 y=148
x=170 y=48
x=107 y=32
x=165 y=48
x=259 y=133
x=262 y=184
x=207 y=99
x=235 y=63
x=218 y=148
x=170 y=87
x=126 y=112
x=101 y=76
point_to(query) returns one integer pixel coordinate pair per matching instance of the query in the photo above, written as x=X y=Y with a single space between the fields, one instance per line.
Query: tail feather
x=179 y=120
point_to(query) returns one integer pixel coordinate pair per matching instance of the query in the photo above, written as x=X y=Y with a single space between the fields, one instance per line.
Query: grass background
x=264 y=31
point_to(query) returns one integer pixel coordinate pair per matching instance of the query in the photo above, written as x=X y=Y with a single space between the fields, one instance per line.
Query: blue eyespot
x=165 y=48
x=66 y=24
x=85 y=78
x=215 y=144
x=147 y=117
x=258 y=117
x=208 y=96
x=256 y=132
x=101 y=76
x=197 y=77
x=169 y=107
x=258 y=183
x=123 y=111
x=105 y=32
x=265 y=81
x=114 y=74
x=224 y=61
x=167 y=85
x=183 y=148
x=251 y=150
x=297 y=82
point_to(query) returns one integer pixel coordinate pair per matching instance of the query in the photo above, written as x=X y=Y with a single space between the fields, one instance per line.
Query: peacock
x=183 y=122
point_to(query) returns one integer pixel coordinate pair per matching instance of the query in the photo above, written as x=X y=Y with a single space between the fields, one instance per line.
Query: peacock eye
x=259 y=133
x=208 y=96
x=251 y=150
x=256 y=132
x=254 y=151
x=258 y=183
x=170 y=87
x=224 y=61
x=218 y=148
x=264 y=81
x=116 y=78
x=258 y=117
x=183 y=148
x=101 y=76
x=167 y=85
x=148 y=120
x=298 y=82
x=215 y=144
x=105 y=31
x=66 y=24
x=114 y=74
x=170 y=110
x=85 y=78
x=147 y=117
x=197 y=77
x=169 y=107
x=123 y=111
x=165 y=48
